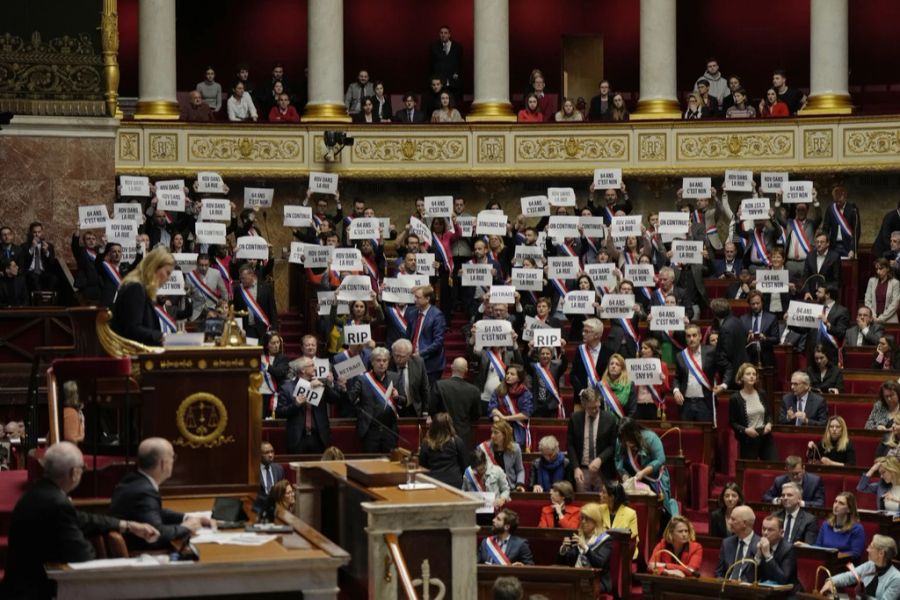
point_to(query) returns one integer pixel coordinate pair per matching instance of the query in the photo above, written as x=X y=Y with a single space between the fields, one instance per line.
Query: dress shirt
x=820 y=260
x=590 y=435
x=790 y=521
x=694 y=389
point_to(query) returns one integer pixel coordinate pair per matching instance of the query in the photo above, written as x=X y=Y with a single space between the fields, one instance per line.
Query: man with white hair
x=378 y=398
x=741 y=545
x=551 y=466
x=46 y=528
x=591 y=358
x=307 y=428
x=414 y=384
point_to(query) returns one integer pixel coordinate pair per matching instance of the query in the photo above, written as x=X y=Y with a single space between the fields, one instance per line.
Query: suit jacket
x=26 y=256
x=418 y=395
x=402 y=116
x=517 y=550
x=108 y=287
x=781 y=567
x=295 y=414
x=834 y=378
x=557 y=368
x=838 y=323
x=869 y=339
x=813 y=489
x=462 y=401
x=135 y=499
x=719 y=267
x=431 y=337
x=509 y=356
x=13 y=291
x=816 y=409
x=578 y=375
x=133 y=316
x=597 y=558
x=804 y=529
x=891 y=301
x=830 y=271
x=87 y=279
x=362 y=396
x=708 y=364
x=446 y=65
x=260 y=504
x=728 y=551
x=731 y=350
x=199 y=301
x=45 y=527
x=265 y=297
x=604 y=443
x=620 y=342
x=769 y=329
x=830 y=225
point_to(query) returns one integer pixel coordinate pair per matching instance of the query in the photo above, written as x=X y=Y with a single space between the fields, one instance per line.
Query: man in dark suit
x=37 y=260
x=46 y=528
x=801 y=406
x=425 y=329
x=889 y=224
x=445 y=60
x=414 y=382
x=503 y=544
x=13 y=291
x=594 y=462
x=741 y=545
x=8 y=248
x=378 y=397
x=137 y=498
x=841 y=223
x=821 y=267
x=836 y=320
x=460 y=399
x=812 y=485
x=108 y=267
x=730 y=265
x=775 y=555
x=270 y=473
x=866 y=332
x=307 y=428
x=763 y=331
x=258 y=299
x=582 y=374
x=695 y=395
x=619 y=342
x=731 y=351
x=799 y=525
x=410 y=113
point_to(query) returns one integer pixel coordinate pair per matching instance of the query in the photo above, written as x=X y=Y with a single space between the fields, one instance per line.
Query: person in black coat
x=775 y=555
x=13 y=291
x=842 y=221
x=307 y=428
x=731 y=349
x=546 y=395
x=445 y=60
x=695 y=408
x=590 y=474
x=443 y=452
x=750 y=417
x=411 y=372
x=264 y=298
x=824 y=376
x=270 y=473
x=802 y=406
x=815 y=276
x=460 y=399
x=377 y=395
x=410 y=113
x=133 y=315
x=87 y=279
x=762 y=330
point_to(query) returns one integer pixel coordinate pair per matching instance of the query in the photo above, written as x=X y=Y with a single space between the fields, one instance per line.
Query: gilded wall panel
x=818 y=143
x=163 y=147
x=875 y=141
x=233 y=148
x=595 y=148
x=129 y=146
x=414 y=149
x=729 y=146
x=652 y=147
x=491 y=149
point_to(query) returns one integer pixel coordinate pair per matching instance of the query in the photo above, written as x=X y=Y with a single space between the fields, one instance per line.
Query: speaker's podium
x=665 y=587
x=205 y=400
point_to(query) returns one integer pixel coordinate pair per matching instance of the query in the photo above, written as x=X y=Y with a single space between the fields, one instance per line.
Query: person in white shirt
x=240 y=105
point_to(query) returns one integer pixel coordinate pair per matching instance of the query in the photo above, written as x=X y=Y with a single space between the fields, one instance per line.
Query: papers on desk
x=145 y=560
x=208 y=536
x=200 y=514
x=487 y=498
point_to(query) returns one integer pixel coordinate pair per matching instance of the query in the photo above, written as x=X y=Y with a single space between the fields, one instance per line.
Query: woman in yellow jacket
x=616 y=515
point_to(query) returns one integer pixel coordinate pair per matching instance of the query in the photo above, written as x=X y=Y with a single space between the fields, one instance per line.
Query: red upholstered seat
x=644 y=545
x=556 y=430
x=854 y=413
x=91 y=367
x=529 y=511
x=699 y=485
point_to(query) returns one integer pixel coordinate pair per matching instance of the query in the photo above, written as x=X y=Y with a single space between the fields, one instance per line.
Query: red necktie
x=309 y=417
x=418 y=330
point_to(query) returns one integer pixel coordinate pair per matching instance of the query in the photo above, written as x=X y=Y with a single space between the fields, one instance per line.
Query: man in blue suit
x=763 y=331
x=812 y=485
x=502 y=547
x=270 y=473
x=425 y=327
x=741 y=545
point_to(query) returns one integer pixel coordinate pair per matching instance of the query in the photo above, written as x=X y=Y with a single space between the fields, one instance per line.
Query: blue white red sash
x=823 y=333
x=268 y=383
x=398 y=318
x=799 y=237
x=712 y=230
x=444 y=253
x=591 y=243
x=657 y=397
x=112 y=272
x=659 y=297
x=560 y=286
x=697 y=216
x=552 y=388
x=379 y=390
x=201 y=286
x=511 y=407
x=841 y=220
x=372 y=271
x=497 y=363
x=520 y=238
x=417 y=330
x=636 y=465
x=166 y=323
x=590 y=367
x=611 y=400
x=91 y=254
x=317 y=220
x=253 y=306
x=608 y=214
x=646 y=292
x=675 y=342
x=488 y=452
x=223 y=270
x=566 y=249
x=494 y=555
x=759 y=245
x=476 y=482
x=628 y=326
x=598 y=540
x=695 y=369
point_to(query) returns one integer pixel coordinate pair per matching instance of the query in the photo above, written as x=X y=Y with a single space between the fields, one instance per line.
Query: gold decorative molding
x=876 y=141
x=410 y=149
x=491 y=149
x=491 y=112
x=719 y=146
x=163 y=147
x=576 y=147
x=652 y=109
x=201 y=420
x=129 y=146
x=227 y=148
x=109 y=41
x=652 y=146
x=326 y=113
x=818 y=143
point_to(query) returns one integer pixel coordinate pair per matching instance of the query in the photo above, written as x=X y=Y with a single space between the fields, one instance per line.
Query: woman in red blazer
x=677 y=554
x=561 y=514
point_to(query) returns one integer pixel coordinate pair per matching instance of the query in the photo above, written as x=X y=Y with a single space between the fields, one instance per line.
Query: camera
x=334 y=143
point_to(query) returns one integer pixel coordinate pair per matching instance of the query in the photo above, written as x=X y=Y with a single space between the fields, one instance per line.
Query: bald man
x=46 y=528
x=197 y=111
x=460 y=399
x=137 y=497
x=739 y=546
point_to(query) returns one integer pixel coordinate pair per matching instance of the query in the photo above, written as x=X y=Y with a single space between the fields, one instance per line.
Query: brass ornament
x=244 y=148
x=588 y=148
x=818 y=143
x=201 y=419
x=717 y=146
x=872 y=142
x=164 y=147
x=129 y=146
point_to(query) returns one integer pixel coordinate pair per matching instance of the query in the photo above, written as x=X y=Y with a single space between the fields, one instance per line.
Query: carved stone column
x=491 y=102
x=829 y=59
x=157 y=64
x=109 y=34
x=658 y=93
x=326 y=62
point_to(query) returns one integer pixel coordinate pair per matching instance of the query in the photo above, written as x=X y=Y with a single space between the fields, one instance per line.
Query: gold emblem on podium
x=201 y=420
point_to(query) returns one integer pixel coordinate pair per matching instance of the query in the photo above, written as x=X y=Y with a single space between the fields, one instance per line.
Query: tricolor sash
x=629 y=257
x=317 y=220
x=166 y=323
x=657 y=397
x=493 y=554
x=112 y=272
x=200 y=285
x=445 y=255
x=488 y=452
x=841 y=220
x=636 y=465
x=646 y=293
x=566 y=249
x=823 y=333
x=628 y=326
x=550 y=385
x=497 y=363
x=695 y=369
x=380 y=390
x=222 y=269
x=268 y=383
x=697 y=216
x=511 y=407
x=474 y=480
x=398 y=318
x=608 y=214
x=759 y=245
x=798 y=236
x=611 y=400
x=590 y=367
x=560 y=286
x=659 y=297
x=676 y=343
x=254 y=307
x=371 y=270
x=598 y=540
x=591 y=243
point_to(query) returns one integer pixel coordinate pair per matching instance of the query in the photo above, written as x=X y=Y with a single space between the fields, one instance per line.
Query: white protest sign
x=562 y=226
x=296 y=255
x=355 y=287
x=493 y=333
x=92 y=217
x=323 y=183
x=755 y=209
x=644 y=371
x=297 y=216
x=535 y=253
x=186 y=260
x=439 y=206
x=738 y=181
x=617 y=306
x=547 y=337
x=365 y=228
x=419 y=228
x=607 y=179
x=630 y=225
x=174 y=285
x=425 y=264
x=170 y=185
x=209 y=183
x=530 y=325
x=666 y=318
x=317 y=257
x=346 y=259
x=674 y=223
x=129 y=253
x=323 y=367
x=491 y=223
x=687 y=252
x=128 y=211
x=795 y=192
x=502 y=294
x=772 y=182
x=258 y=197
x=215 y=209
x=397 y=291
x=252 y=246
x=696 y=187
x=413 y=281
x=474 y=275
x=602 y=274
x=349 y=368
x=593 y=227
x=357 y=334
x=579 y=302
x=563 y=267
x=772 y=281
x=528 y=280
x=561 y=196
x=312 y=394
x=121 y=231
x=803 y=314
x=134 y=186
x=170 y=200
x=535 y=206
x=640 y=275
x=466 y=225
x=325 y=301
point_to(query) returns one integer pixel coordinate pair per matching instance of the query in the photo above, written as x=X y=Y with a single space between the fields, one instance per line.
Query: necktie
x=418 y=331
x=267 y=478
x=446 y=48
x=756 y=324
x=308 y=418
x=736 y=573
x=404 y=379
x=591 y=437
x=787 y=528
x=859 y=338
x=37 y=267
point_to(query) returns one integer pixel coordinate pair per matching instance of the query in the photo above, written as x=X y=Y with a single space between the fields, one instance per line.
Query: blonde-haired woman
x=835 y=448
x=750 y=418
x=678 y=553
x=590 y=546
x=618 y=393
x=135 y=312
x=888 y=487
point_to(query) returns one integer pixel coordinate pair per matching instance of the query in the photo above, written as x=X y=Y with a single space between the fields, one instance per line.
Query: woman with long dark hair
x=640 y=457
x=443 y=451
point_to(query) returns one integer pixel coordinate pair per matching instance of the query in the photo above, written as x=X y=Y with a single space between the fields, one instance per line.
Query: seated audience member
x=281 y=497
x=196 y=110
x=270 y=474
x=442 y=451
x=742 y=544
x=356 y=91
x=730 y=497
x=9 y=250
x=431 y=100
x=593 y=456
x=741 y=108
x=13 y=291
x=886 y=407
x=73 y=414
x=772 y=106
x=811 y=484
x=865 y=332
x=802 y=406
x=842 y=529
x=794 y=98
x=618 y=112
x=590 y=546
x=799 y=525
x=551 y=466
x=46 y=527
x=240 y=105
x=382 y=104
x=775 y=555
x=532 y=111
x=825 y=377
x=640 y=458
x=678 y=553
x=890 y=444
x=561 y=513
x=615 y=512
x=887 y=354
x=601 y=104
x=367 y=114
x=283 y=112
x=887 y=489
x=695 y=109
x=483 y=475
x=750 y=418
x=210 y=90
x=835 y=448
x=882 y=293
x=137 y=497
x=410 y=113
x=568 y=112
x=878 y=577
x=502 y=547
x=507 y=588
x=445 y=113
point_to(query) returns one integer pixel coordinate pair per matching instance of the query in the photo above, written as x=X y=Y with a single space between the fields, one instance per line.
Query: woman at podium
x=135 y=312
